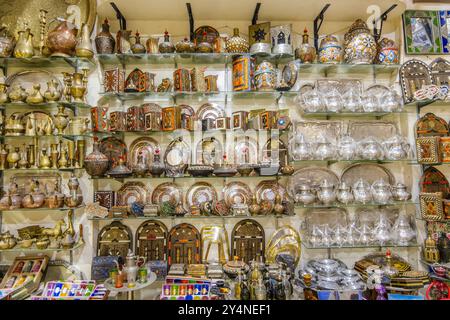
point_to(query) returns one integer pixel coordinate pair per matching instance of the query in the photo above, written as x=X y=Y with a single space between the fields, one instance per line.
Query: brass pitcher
x=61 y=120
x=52 y=93
x=84 y=47
x=35 y=96
x=24 y=46
x=78 y=87
x=62 y=40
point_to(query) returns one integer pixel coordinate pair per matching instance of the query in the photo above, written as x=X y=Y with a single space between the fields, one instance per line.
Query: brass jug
x=35 y=96
x=24 y=46
x=62 y=40
x=84 y=47
x=79 y=86
x=52 y=93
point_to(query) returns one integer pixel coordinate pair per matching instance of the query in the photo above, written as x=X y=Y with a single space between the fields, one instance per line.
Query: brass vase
x=104 y=41
x=61 y=120
x=3 y=157
x=13 y=157
x=80 y=154
x=52 y=93
x=78 y=87
x=84 y=47
x=44 y=160
x=54 y=154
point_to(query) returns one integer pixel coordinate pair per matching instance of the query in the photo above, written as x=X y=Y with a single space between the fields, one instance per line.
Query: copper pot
x=62 y=40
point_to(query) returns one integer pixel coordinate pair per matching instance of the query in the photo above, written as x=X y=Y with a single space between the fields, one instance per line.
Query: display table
x=130 y=291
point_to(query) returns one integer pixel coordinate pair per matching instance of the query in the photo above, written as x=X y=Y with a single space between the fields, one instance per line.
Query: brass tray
x=284 y=239
x=268 y=189
x=332 y=130
x=28 y=78
x=16 y=13
x=381 y=130
x=311 y=176
x=199 y=193
x=132 y=191
x=167 y=191
x=147 y=146
x=369 y=172
x=237 y=192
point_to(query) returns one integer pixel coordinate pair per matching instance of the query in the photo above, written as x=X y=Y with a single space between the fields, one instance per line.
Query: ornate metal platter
x=200 y=192
x=184 y=245
x=324 y=86
x=167 y=191
x=332 y=130
x=398 y=262
x=368 y=172
x=210 y=111
x=151 y=240
x=311 y=176
x=176 y=157
x=147 y=146
x=132 y=191
x=413 y=75
x=246 y=150
x=432 y=180
x=16 y=13
x=440 y=71
x=114 y=149
x=247 y=240
x=28 y=78
x=237 y=192
x=209 y=151
x=114 y=240
x=431 y=125
x=381 y=130
x=268 y=189
x=284 y=240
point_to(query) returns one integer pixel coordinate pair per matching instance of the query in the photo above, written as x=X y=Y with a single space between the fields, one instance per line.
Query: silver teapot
x=400 y=192
x=300 y=149
x=306 y=196
x=326 y=192
x=370 y=149
x=396 y=148
x=402 y=231
x=381 y=192
x=344 y=193
x=361 y=191
x=346 y=148
x=324 y=149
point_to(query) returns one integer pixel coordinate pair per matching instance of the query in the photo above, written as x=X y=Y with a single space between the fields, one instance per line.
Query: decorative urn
x=330 y=51
x=104 y=41
x=388 y=52
x=96 y=163
x=166 y=46
x=360 y=45
x=185 y=46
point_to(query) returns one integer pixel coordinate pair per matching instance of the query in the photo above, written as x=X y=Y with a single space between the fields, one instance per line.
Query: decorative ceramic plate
x=209 y=151
x=326 y=85
x=311 y=176
x=41 y=120
x=114 y=149
x=381 y=130
x=246 y=150
x=28 y=78
x=147 y=146
x=167 y=192
x=311 y=130
x=268 y=189
x=132 y=191
x=237 y=192
x=369 y=172
x=210 y=111
x=200 y=192
x=16 y=13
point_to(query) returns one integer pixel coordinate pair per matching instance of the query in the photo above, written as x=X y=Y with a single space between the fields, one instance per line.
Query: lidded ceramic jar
x=306 y=52
x=360 y=45
x=388 y=52
x=104 y=41
x=166 y=46
x=236 y=44
x=330 y=51
x=96 y=163
x=265 y=76
x=185 y=46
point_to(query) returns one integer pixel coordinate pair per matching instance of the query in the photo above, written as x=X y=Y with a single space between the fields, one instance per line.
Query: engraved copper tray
x=167 y=191
x=381 y=130
x=369 y=172
x=147 y=146
x=16 y=13
x=132 y=191
x=311 y=176
x=237 y=192
x=200 y=192
x=332 y=130
x=268 y=189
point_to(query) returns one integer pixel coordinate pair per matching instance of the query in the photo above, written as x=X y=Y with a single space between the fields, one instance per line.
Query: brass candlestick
x=67 y=78
x=71 y=152
x=54 y=155
x=42 y=30
x=80 y=154
x=36 y=153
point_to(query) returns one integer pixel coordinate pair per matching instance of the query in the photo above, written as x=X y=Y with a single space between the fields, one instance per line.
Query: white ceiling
x=229 y=10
